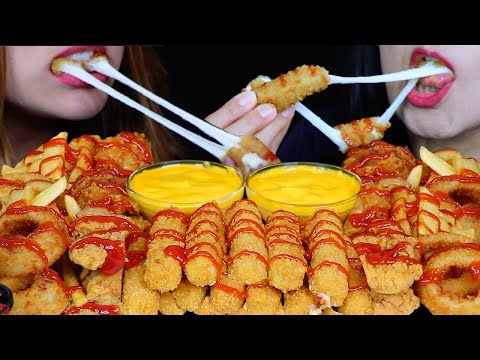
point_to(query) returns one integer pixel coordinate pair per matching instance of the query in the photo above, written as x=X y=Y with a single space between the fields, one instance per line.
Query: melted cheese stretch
x=302 y=188
x=187 y=183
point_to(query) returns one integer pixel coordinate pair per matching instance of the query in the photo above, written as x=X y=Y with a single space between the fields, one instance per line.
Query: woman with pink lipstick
x=443 y=111
x=36 y=104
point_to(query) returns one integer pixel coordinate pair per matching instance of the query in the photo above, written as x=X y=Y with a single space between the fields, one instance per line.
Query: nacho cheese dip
x=186 y=185
x=303 y=188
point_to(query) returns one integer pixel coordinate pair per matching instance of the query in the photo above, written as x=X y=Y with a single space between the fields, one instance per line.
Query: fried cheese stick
x=301 y=302
x=263 y=299
x=328 y=275
x=287 y=263
x=246 y=241
x=189 y=297
x=166 y=250
x=292 y=87
x=205 y=246
x=227 y=296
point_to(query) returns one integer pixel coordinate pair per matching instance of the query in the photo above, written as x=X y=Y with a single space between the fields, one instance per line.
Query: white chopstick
x=76 y=70
x=429 y=69
x=101 y=65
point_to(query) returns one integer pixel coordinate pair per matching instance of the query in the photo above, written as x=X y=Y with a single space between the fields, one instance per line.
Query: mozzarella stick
x=363 y=131
x=301 y=302
x=263 y=299
x=137 y=298
x=189 y=297
x=328 y=275
x=166 y=250
x=168 y=306
x=227 y=296
x=292 y=87
x=246 y=241
x=205 y=246
x=287 y=263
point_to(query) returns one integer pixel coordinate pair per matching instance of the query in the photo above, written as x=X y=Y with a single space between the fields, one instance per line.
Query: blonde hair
x=142 y=65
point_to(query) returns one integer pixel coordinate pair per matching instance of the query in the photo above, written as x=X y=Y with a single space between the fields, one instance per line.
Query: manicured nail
x=266 y=110
x=288 y=112
x=246 y=98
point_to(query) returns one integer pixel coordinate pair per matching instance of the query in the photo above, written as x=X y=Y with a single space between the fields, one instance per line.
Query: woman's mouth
x=80 y=55
x=431 y=90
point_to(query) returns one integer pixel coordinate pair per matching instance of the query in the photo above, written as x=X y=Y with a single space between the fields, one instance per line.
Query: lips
x=431 y=90
x=68 y=53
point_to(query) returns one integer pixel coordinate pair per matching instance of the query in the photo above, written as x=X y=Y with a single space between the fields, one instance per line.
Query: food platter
x=70 y=232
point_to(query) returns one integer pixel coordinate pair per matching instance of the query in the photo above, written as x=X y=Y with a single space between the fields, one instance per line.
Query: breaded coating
x=104 y=289
x=130 y=150
x=246 y=240
x=404 y=303
x=287 y=263
x=205 y=246
x=168 y=306
x=292 y=87
x=189 y=297
x=46 y=296
x=363 y=131
x=17 y=283
x=166 y=251
x=32 y=239
x=328 y=271
x=263 y=299
x=391 y=262
x=137 y=298
x=301 y=302
x=227 y=296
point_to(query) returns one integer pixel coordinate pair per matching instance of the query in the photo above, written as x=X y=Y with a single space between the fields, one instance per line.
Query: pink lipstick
x=72 y=80
x=432 y=90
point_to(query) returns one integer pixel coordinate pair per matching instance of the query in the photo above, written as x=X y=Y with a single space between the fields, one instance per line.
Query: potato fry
x=415 y=177
x=51 y=193
x=72 y=207
x=438 y=165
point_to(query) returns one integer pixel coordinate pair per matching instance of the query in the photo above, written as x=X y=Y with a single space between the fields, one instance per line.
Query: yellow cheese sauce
x=186 y=185
x=303 y=188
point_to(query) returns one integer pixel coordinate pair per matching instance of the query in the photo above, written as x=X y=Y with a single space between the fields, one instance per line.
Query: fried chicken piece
x=391 y=262
x=104 y=289
x=128 y=150
x=137 y=298
x=404 y=303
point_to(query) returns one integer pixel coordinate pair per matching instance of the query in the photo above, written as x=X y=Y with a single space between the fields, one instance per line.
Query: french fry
x=51 y=193
x=72 y=207
x=415 y=177
x=438 y=165
x=70 y=279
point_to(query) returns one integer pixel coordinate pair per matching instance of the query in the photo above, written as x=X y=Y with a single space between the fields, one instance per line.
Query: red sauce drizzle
x=99 y=309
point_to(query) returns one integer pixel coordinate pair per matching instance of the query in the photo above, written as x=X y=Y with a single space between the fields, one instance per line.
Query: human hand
x=241 y=116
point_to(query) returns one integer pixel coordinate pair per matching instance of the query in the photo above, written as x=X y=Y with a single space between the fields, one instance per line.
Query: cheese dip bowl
x=184 y=184
x=303 y=188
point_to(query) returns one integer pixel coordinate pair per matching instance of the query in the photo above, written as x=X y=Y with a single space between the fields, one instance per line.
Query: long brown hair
x=143 y=66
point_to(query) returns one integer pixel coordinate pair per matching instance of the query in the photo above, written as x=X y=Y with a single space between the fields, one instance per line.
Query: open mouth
x=433 y=89
x=80 y=56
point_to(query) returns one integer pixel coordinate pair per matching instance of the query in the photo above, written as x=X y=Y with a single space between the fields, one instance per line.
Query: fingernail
x=246 y=98
x=266 y=111
x=288 y=112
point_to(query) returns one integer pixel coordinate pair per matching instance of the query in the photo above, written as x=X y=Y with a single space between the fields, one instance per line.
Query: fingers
x=241 y=116
x=234 y=109
x=272 y=135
